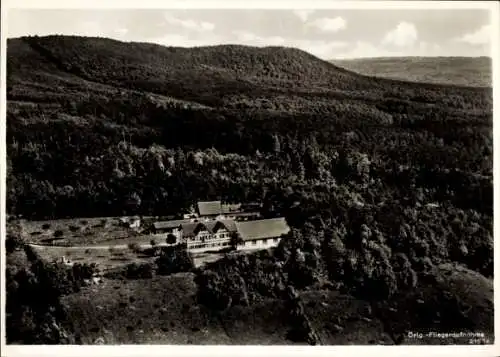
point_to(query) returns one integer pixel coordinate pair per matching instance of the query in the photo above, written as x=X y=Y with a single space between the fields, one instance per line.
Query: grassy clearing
x=451 y=296
x=201 y=259
x=83 y=231
x=106 y=258
x=343 y=320
x=261 y=324
x=161 y=310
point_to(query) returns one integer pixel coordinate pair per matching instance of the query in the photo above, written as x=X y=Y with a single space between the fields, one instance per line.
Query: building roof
x=169 y=224
x=190 y=229
x=262 y=228
x=209 y=208
x=229 y=224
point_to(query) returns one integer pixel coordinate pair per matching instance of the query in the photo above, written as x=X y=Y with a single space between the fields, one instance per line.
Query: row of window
x=206 y=236
x=194 y=246
x=264 y=241
x=225 y=244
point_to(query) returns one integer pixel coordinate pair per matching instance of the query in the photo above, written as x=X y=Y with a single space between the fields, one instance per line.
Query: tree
x=134 y=202
x=236 y=240
x=171 y=239
x=173 y=260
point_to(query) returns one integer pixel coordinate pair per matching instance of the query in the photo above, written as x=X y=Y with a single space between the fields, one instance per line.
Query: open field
x=112 y=256
x=105 y=258
x=163 y=310
x=83 y=231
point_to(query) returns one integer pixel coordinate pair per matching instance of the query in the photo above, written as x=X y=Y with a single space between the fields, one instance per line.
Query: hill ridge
x=440 y=70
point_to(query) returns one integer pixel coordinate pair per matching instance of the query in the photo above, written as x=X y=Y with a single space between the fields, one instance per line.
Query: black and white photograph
x=231 y=176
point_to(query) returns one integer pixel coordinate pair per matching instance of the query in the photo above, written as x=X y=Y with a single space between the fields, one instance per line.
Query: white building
x=208 y=236
x=261 y=234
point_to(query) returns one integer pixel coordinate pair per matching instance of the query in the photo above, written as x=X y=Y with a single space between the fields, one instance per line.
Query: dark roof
x=229 y=224
x=169 y=224
x=262 y=228
x=189 y=229
x=209 y=208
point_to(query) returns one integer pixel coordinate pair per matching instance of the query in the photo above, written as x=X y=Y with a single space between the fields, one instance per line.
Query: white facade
x=135 y=223
x=259 y=244
x=205 y=241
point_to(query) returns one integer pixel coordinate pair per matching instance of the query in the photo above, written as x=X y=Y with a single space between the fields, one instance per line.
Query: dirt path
x=115 y=246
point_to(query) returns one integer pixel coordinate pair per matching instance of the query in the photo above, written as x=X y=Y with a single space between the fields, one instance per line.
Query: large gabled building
x=212 y=235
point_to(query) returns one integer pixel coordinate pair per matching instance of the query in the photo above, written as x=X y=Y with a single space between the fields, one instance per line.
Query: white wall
x=259 y=244
x=208 y=249
x=209 y=240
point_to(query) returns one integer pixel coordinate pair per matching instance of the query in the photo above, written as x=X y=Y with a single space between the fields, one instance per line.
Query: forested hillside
x=383 y=181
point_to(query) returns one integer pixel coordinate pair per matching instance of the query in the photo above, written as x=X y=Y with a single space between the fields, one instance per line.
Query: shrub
x=59 y=233
x=83 y=271
x=139 y=271
x=13 y=242
x=173 y=260
x=74 y=228
x=171 y=239
x=45 y=226
x=135 y=247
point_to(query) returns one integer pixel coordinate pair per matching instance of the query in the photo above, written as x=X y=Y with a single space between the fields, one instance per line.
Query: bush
x=59 y=233
x=173 y=260
x=139 y=271
x=135 y=247
x=45 y=226
x=13 y=242
x=171 y=239
x=84 y=271
x=74 y=228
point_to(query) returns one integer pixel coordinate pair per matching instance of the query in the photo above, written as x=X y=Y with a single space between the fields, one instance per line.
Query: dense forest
x=381 y=180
